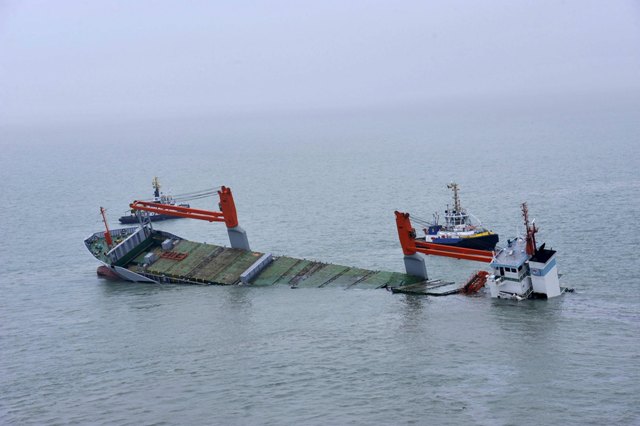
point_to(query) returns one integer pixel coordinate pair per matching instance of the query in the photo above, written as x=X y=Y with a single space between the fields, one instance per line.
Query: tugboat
x=461 y=229
x=158 y=197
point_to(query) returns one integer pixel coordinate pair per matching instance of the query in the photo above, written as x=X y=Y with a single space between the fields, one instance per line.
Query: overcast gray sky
x=71 y=60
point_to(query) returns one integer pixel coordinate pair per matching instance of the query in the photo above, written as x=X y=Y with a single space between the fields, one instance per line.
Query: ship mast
x=531 y=231
x=107 y=234
x=156 y=187
x=456 y=199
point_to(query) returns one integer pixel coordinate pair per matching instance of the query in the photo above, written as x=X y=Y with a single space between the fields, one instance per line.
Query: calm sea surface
x=75 y=349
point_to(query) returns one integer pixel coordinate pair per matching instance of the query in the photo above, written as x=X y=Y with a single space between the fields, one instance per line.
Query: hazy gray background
x=324 y=118
x=85 y=61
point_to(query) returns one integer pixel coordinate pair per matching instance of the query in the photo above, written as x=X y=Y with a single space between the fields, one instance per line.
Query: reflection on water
x=412 y=309
x=237 y=297
x=126 y=288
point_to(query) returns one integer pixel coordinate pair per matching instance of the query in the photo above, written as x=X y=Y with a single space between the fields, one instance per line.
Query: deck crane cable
x=421 y=221
x=207 y=191
x=196 y=195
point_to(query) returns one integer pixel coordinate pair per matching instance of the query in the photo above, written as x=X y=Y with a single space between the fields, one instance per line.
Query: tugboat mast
x=456 y=199
x=156 y=187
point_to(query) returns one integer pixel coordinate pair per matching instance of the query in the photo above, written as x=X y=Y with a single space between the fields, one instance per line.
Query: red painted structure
x=475 y=282
x=107 y=234
x=228 y=213
x=531 y=231
x=410 y=246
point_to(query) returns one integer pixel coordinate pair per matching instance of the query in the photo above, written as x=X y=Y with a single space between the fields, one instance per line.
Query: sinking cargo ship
x=523 y=269
x=145 y=254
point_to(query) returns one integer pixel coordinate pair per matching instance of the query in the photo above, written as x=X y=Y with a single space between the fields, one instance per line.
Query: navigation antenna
x=456 y=199
x=531 y=230
x=156 y=187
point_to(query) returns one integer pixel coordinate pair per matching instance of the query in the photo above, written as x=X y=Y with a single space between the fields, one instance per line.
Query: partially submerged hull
x=523 y=270
x=154 y=256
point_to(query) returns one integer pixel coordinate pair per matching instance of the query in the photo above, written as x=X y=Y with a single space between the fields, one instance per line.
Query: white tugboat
x=523 y=270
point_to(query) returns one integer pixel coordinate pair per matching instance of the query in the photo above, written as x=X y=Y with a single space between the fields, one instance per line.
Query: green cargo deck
x=206 y=264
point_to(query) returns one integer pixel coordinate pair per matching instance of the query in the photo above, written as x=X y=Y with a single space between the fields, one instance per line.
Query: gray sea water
x=75 y=349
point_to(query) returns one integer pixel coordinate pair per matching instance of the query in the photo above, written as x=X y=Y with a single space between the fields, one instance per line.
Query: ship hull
x=154 y=256
x=154 y=218
x=485 y=242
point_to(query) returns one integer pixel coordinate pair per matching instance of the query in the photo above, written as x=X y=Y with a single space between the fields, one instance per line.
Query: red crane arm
x=178 y=211
x=227 y=215
x=455 y=252
x=407 y=235
x=107 y=234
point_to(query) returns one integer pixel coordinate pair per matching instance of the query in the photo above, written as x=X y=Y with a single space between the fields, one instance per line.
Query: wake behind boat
x=461 y=229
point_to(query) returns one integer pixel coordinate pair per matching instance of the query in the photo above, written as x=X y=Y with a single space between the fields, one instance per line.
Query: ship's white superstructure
x=523 y=270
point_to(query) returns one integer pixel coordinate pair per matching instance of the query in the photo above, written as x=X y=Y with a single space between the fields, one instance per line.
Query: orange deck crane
x=228 y=215
x=410 y=247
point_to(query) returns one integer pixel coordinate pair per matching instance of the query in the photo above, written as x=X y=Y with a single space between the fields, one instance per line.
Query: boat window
x=501 y=270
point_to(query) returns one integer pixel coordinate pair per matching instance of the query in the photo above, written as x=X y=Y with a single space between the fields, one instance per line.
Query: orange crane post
x=227 y=214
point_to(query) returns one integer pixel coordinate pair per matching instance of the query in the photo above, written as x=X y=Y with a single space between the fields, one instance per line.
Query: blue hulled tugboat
x=461 y=229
